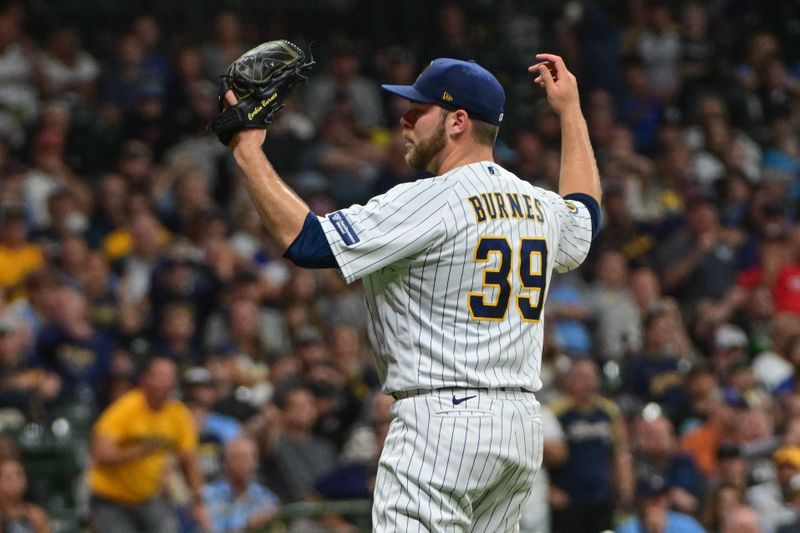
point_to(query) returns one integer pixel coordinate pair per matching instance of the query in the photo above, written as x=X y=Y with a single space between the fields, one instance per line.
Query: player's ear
x=458 y=120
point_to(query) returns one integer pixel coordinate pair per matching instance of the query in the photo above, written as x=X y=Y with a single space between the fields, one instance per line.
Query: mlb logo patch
x=344 y=228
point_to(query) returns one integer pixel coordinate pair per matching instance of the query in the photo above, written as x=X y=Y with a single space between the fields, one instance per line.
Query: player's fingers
x=557 y=61
x=230 y=98
x=547 y=78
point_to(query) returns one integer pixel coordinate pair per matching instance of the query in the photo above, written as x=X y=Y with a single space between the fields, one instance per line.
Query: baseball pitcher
x=455 y=269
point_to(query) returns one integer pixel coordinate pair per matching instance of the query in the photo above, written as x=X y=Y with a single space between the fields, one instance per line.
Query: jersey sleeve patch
x=591 y=204
x=344 y=228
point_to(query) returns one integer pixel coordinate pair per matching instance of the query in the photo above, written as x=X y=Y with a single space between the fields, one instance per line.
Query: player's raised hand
x=247 y=136
x=560 y=84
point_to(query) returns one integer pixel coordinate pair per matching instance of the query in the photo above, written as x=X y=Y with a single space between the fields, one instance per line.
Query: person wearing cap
x=656 y=452
x=772 y=498
x=456 y=268
x=214 y=429
x=728 y=349
x=653 y=511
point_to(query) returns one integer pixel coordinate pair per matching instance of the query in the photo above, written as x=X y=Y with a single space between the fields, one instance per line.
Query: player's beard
x=422 y=155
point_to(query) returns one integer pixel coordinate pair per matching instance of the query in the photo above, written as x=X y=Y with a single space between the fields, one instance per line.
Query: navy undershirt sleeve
x=310 y=248
x=593 y=207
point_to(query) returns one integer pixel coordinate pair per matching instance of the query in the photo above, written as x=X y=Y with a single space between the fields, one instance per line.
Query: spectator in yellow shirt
x=130 y=444
x=17 y=256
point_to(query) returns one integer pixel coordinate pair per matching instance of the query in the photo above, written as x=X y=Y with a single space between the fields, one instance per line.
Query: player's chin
x=416 y=160
x=410 y=152
x=409 y=157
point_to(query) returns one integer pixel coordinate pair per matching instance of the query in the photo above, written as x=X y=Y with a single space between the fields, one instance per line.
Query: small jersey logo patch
x=345 y=229
x=571 y=206
x=458 y=401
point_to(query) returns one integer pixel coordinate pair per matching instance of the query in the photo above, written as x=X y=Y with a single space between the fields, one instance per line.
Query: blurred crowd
x=138 y=288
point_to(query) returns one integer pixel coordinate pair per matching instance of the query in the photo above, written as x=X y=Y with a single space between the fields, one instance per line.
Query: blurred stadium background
x=125 y=234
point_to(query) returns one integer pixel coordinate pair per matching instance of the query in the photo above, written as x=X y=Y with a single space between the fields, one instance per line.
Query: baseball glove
x=261 y=79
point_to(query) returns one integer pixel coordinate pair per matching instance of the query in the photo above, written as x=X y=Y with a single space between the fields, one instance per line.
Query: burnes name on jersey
x=492 y=205
x=495 y=205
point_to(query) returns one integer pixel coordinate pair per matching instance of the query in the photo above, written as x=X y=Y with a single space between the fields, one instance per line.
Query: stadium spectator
x=772 y=500
x=704 y=441
x=656 y=455
x=75 y=349
x=16 y=514
x=175 y=335
x=295 y=457
x=656 y=373
x=227 y=44
x=344 y=85
x=778 y=270
x=128 y=80
x=30 y=390
x=64 y=220
x=248 y=290
x=214 y=430
x=740 y=519
x=130 y=444
x=794 y=526
x=70 y=73
x=236 y=502
x=19 y=98
x=615 y=315
x=569 y=313
x=699 y=261
x=654 y=513
x=354 y=478
x=597 y=472
x=18 y=256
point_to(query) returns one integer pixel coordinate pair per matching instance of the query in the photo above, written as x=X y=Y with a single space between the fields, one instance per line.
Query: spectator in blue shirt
x=656 y=454
x=236 y=501
x=653 y=512
x=214 y=429
x=74 y=349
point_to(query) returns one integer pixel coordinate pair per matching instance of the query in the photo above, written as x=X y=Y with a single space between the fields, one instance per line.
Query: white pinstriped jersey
x=456 y=270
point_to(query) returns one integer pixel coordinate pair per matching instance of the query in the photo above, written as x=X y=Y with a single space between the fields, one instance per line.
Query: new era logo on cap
x=456 y=84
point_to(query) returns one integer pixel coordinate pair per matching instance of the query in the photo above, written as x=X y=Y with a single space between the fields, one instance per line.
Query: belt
x=493 y=391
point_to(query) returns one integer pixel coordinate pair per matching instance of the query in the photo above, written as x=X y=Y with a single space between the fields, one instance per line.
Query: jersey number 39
x=532 y=275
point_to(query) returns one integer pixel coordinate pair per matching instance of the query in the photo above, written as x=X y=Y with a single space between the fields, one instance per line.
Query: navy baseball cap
x=455 y=84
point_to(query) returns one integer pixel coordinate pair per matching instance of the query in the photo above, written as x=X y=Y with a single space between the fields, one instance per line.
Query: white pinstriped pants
x=464 y=467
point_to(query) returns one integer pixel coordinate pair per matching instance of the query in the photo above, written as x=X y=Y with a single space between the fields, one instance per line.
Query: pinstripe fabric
x=447 y=465
x=415 y=254
x=486 y=453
